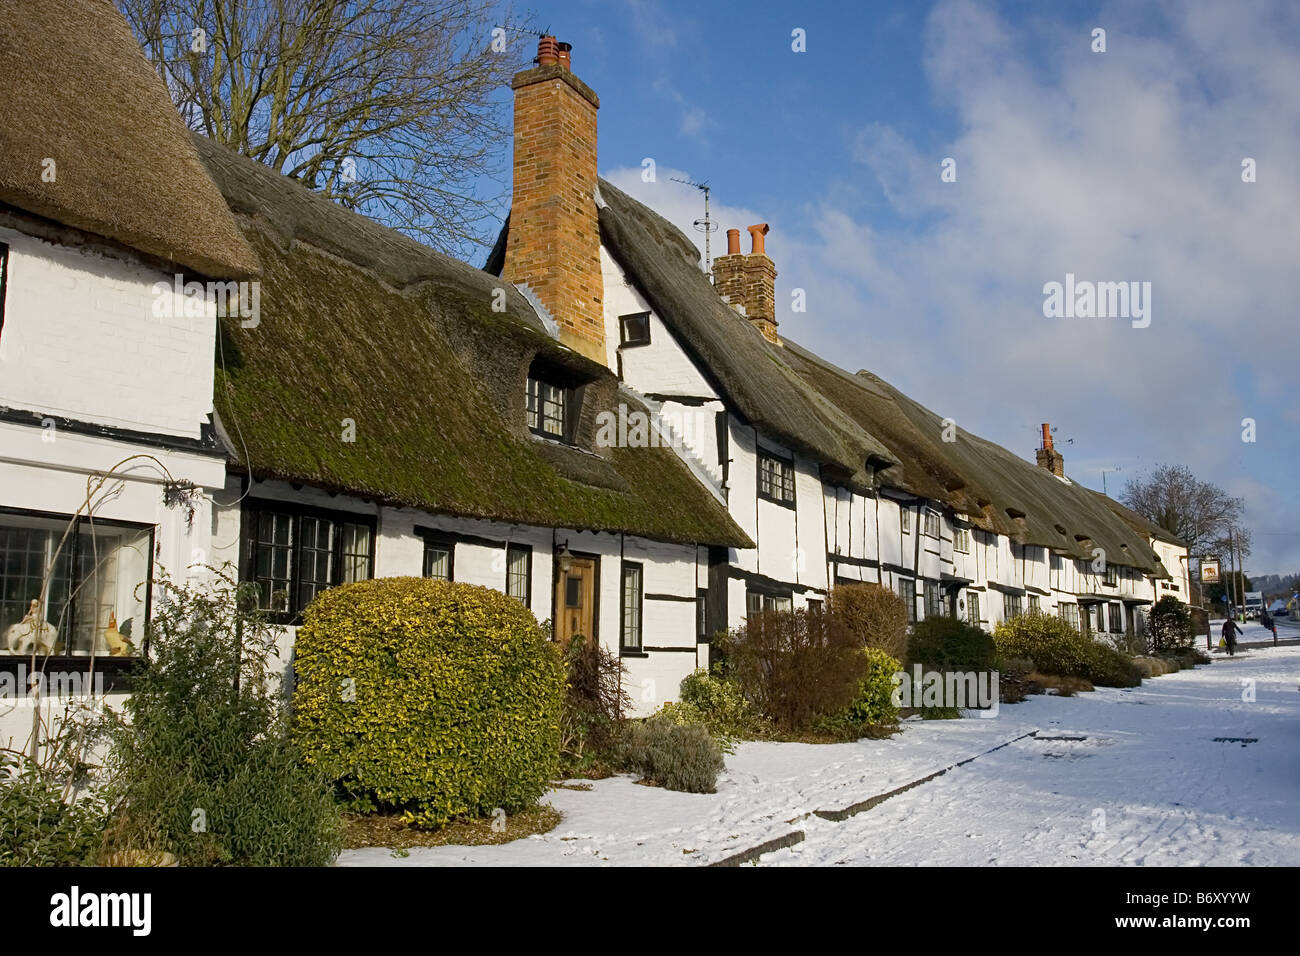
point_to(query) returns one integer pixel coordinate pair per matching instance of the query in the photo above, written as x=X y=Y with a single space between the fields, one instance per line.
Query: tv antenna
x=705 y=225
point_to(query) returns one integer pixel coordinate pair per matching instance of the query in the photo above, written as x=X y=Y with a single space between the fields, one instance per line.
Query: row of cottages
x=586 y=425
x=834 y=476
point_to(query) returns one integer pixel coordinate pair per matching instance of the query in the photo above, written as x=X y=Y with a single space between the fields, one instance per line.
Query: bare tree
x=1197 y=511
x=393 y=108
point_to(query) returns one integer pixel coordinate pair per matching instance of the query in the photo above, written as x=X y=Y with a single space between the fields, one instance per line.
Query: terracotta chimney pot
x=564 y=52
x=756 y=234
x=733 y=242
x=548 y=52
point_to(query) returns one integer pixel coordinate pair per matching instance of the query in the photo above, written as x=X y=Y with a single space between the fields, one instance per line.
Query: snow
x=1148 y=785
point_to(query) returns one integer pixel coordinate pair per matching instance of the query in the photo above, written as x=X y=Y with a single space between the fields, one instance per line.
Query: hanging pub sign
x=1209 y=570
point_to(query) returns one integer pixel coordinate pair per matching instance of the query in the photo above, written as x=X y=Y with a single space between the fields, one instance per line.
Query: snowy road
x=1148 y=784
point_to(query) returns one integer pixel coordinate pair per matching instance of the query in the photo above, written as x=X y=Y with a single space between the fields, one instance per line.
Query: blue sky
x=1115 y=166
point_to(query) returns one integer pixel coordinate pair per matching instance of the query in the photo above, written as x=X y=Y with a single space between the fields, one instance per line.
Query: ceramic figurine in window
x=118 y=645
x=31 y=634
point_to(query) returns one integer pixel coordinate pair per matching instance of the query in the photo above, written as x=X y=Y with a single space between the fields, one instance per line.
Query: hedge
x=437 y=699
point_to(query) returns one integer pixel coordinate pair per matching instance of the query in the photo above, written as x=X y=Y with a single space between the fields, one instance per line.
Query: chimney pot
x=564 y=52
x=756 y=234
x=548 y=51
x=733 y=242
x=1047 y=435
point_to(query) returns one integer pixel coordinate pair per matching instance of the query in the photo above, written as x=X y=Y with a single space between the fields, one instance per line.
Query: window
x=905 y=517
x=1110 y=576
x=973 y=607
x=1011 y=606
x=1069 y=613
x=519 y=573
x=546 y=409
x=816 y=607
x=634 y=330
x=1116 y=619
x=98 y=591
x=294 y=553
x=756 y=602
x=961 y=540
x=439 y=557
x=775 y=479
x=4 y=280
x=933 y=599
x=702 y=615
x=1035 y=604
x=931 y=523
x=907 y=591
x=631 y=606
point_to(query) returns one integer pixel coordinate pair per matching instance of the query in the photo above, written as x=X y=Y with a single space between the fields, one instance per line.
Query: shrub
x=1014 y=680
x=716 y=704
x=948 y=644
x=795 y=666
x=204 y=768
x=39 y=825
x=433 y=698
x=1169 y=625
x=875 y=615
x=1058 y=649
x=675 y=756
x=875 y=702
x=595 y=701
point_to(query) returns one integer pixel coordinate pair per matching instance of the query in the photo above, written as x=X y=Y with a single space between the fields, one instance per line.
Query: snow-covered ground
x=1147 y=784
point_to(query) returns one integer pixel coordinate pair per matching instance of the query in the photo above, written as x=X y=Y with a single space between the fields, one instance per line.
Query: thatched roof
x=845 y=420
x=746 y=368
x=1141 y=523
x=1001 y=491
x=76 y=89
x=358 y=322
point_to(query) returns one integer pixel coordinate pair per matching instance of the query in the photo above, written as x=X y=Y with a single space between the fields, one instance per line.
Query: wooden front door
x=575 y=600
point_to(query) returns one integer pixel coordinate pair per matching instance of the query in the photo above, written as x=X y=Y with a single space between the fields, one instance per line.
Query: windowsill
x=776 y=501
x=624 y=652
x=633 y=345
x=115 y=671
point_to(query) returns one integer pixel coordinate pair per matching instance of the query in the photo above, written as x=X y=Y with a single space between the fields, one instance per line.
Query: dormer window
x=775 y=479
x=634 y=330
x=548 y=408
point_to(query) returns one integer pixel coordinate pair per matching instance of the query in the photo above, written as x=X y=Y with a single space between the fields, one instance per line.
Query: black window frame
x=785 y=475
x=1110 y=576
x=441 y=540
x=910 y=583
x=1013 y=606
x=973 y=608
x=928 y=517
x=249 y=517
x=905 y=519
x=959 y=535
x=4 y=282
x=626 y=341
x=535 y=405
x=1035 y=604
x=624 y=609
x=1116 y=617
x=527 y=551
x=85 y=523
x=932 y=597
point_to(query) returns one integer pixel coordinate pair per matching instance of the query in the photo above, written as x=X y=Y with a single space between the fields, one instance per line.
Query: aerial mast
x=705 y=225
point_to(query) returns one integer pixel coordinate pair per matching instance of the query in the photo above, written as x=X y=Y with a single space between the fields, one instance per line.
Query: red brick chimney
x=1048 y=456
x=749 y=281
x=554 y=241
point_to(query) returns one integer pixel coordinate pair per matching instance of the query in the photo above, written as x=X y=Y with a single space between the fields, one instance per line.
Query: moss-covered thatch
x=431 y=376
x=847 y=421
x=75 y=89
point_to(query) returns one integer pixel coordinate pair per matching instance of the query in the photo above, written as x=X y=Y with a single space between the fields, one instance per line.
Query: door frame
x=595 y=560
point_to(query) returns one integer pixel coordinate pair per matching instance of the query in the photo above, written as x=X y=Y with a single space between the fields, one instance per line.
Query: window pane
x=518 y=562
x=437 y=561
x=272 y=548
x=28 y=547
x=356 y=552
x=632 y=606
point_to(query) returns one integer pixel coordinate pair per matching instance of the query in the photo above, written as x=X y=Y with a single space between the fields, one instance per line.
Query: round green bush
x=948 y=644
x=875 y=703
x=437 y=699
x=681 y=757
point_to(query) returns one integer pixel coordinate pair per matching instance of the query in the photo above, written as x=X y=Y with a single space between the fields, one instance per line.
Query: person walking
x=1230 y=632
